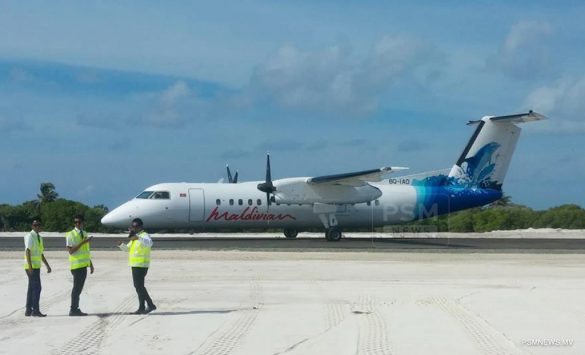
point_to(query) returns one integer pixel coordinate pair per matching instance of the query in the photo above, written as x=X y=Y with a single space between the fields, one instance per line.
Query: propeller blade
x=229 y=174
x=267 y=186
x=236 y=177
x=268 y=175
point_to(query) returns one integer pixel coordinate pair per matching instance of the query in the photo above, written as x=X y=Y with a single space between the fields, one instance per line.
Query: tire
x=290 y=233
x=333 y=235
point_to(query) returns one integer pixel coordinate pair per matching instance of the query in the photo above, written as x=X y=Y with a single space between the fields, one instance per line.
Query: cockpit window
x=161 y=195
x=155 y=195
x=145 y=194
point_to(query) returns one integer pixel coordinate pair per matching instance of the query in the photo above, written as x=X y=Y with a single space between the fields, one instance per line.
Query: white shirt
x=28 y=239
x=69 y=241
x=144 y=239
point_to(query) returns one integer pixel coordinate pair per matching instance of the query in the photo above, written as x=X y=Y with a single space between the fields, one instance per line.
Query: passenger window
x=250 y=203
x=240 y=202
x=259 y=202
x=218 y=202
x=231 y=201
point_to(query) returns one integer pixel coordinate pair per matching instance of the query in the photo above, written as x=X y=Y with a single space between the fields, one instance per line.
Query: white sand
x=306 y=303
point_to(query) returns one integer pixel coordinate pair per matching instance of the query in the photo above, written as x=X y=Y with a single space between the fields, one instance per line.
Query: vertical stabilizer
x=486 y=158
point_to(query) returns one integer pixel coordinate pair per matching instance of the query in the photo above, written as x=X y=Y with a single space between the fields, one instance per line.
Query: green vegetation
x=57 y=215
x=507 y=216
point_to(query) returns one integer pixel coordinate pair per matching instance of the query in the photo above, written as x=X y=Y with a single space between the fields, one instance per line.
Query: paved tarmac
x=511 y=245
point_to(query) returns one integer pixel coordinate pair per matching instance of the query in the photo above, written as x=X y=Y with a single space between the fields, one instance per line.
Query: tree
x=504 y=201
x=48 y=194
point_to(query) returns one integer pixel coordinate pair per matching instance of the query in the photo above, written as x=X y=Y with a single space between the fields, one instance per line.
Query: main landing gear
x=290 y=233
x=333 y=234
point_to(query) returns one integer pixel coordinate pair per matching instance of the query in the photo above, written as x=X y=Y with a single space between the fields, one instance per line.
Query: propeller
x=234 y=179
x=267 y=186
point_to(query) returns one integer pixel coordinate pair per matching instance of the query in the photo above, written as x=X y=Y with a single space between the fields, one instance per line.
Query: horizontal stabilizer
x=516 y=118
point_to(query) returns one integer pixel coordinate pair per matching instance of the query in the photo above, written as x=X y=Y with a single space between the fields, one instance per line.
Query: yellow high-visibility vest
x=139 y=254
x=36 y=251
x=81 y=258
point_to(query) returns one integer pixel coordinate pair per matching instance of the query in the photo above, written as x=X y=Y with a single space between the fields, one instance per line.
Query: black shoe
x=28 y=313
x=140 y=311
x=150 y=308
x=76 y=313
x=37 y=314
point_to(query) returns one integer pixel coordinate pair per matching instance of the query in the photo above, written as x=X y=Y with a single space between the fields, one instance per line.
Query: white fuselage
x=209 y=206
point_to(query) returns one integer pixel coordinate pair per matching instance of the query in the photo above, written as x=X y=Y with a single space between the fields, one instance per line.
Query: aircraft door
x=196 y=205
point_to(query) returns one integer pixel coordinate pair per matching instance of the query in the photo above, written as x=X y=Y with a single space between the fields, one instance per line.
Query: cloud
x=523 y=54
x=332 y=80
x=174 y=107
x=564 y=102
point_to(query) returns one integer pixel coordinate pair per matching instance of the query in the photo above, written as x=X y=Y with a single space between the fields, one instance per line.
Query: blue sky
x=106 y=98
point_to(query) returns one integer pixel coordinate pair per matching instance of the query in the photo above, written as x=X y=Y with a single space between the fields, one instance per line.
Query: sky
x=104 y=99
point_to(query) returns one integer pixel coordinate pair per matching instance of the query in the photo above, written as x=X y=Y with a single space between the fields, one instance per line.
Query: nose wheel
x=333 y=234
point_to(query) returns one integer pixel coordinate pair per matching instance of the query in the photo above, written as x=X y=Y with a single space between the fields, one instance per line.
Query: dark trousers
x=79 y=276
x=138 y=276
x=33 y=294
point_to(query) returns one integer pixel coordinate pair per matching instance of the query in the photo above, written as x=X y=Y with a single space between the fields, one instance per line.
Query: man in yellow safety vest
x=139 y=259
x=33 y=255
x=77 y=243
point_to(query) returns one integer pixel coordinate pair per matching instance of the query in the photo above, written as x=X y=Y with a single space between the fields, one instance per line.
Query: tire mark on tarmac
x=90 y=340
x=336 y=313
x=228 y=336
x=373 y=331
x=486 y=338
x=45 y=304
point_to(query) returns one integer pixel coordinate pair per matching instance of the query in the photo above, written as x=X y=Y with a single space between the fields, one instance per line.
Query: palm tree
x=504 y=201
x=48 y=194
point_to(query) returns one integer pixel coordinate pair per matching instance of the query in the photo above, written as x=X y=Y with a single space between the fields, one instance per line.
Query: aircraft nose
x=119 y=217
x=108 y=219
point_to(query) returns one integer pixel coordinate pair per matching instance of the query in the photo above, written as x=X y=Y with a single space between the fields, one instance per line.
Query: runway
x=305 y=303
x=264 y=243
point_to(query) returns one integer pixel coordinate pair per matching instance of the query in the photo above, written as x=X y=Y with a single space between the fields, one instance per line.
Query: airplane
x=334 y=202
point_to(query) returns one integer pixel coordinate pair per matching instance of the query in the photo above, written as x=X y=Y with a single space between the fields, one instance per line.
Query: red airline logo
x=248 y=214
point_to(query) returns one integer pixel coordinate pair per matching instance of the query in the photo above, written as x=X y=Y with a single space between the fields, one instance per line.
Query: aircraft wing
x=358 y=178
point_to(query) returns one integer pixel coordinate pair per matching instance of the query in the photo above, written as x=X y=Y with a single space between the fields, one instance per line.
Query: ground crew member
x=33 y=255
x=139 y=259
x=77 y=243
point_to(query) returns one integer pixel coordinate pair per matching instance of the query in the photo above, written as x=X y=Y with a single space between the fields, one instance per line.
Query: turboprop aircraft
x=334 y=202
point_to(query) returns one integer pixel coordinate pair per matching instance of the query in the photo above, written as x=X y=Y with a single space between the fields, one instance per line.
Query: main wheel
x=290 y=233
x=333 y=235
